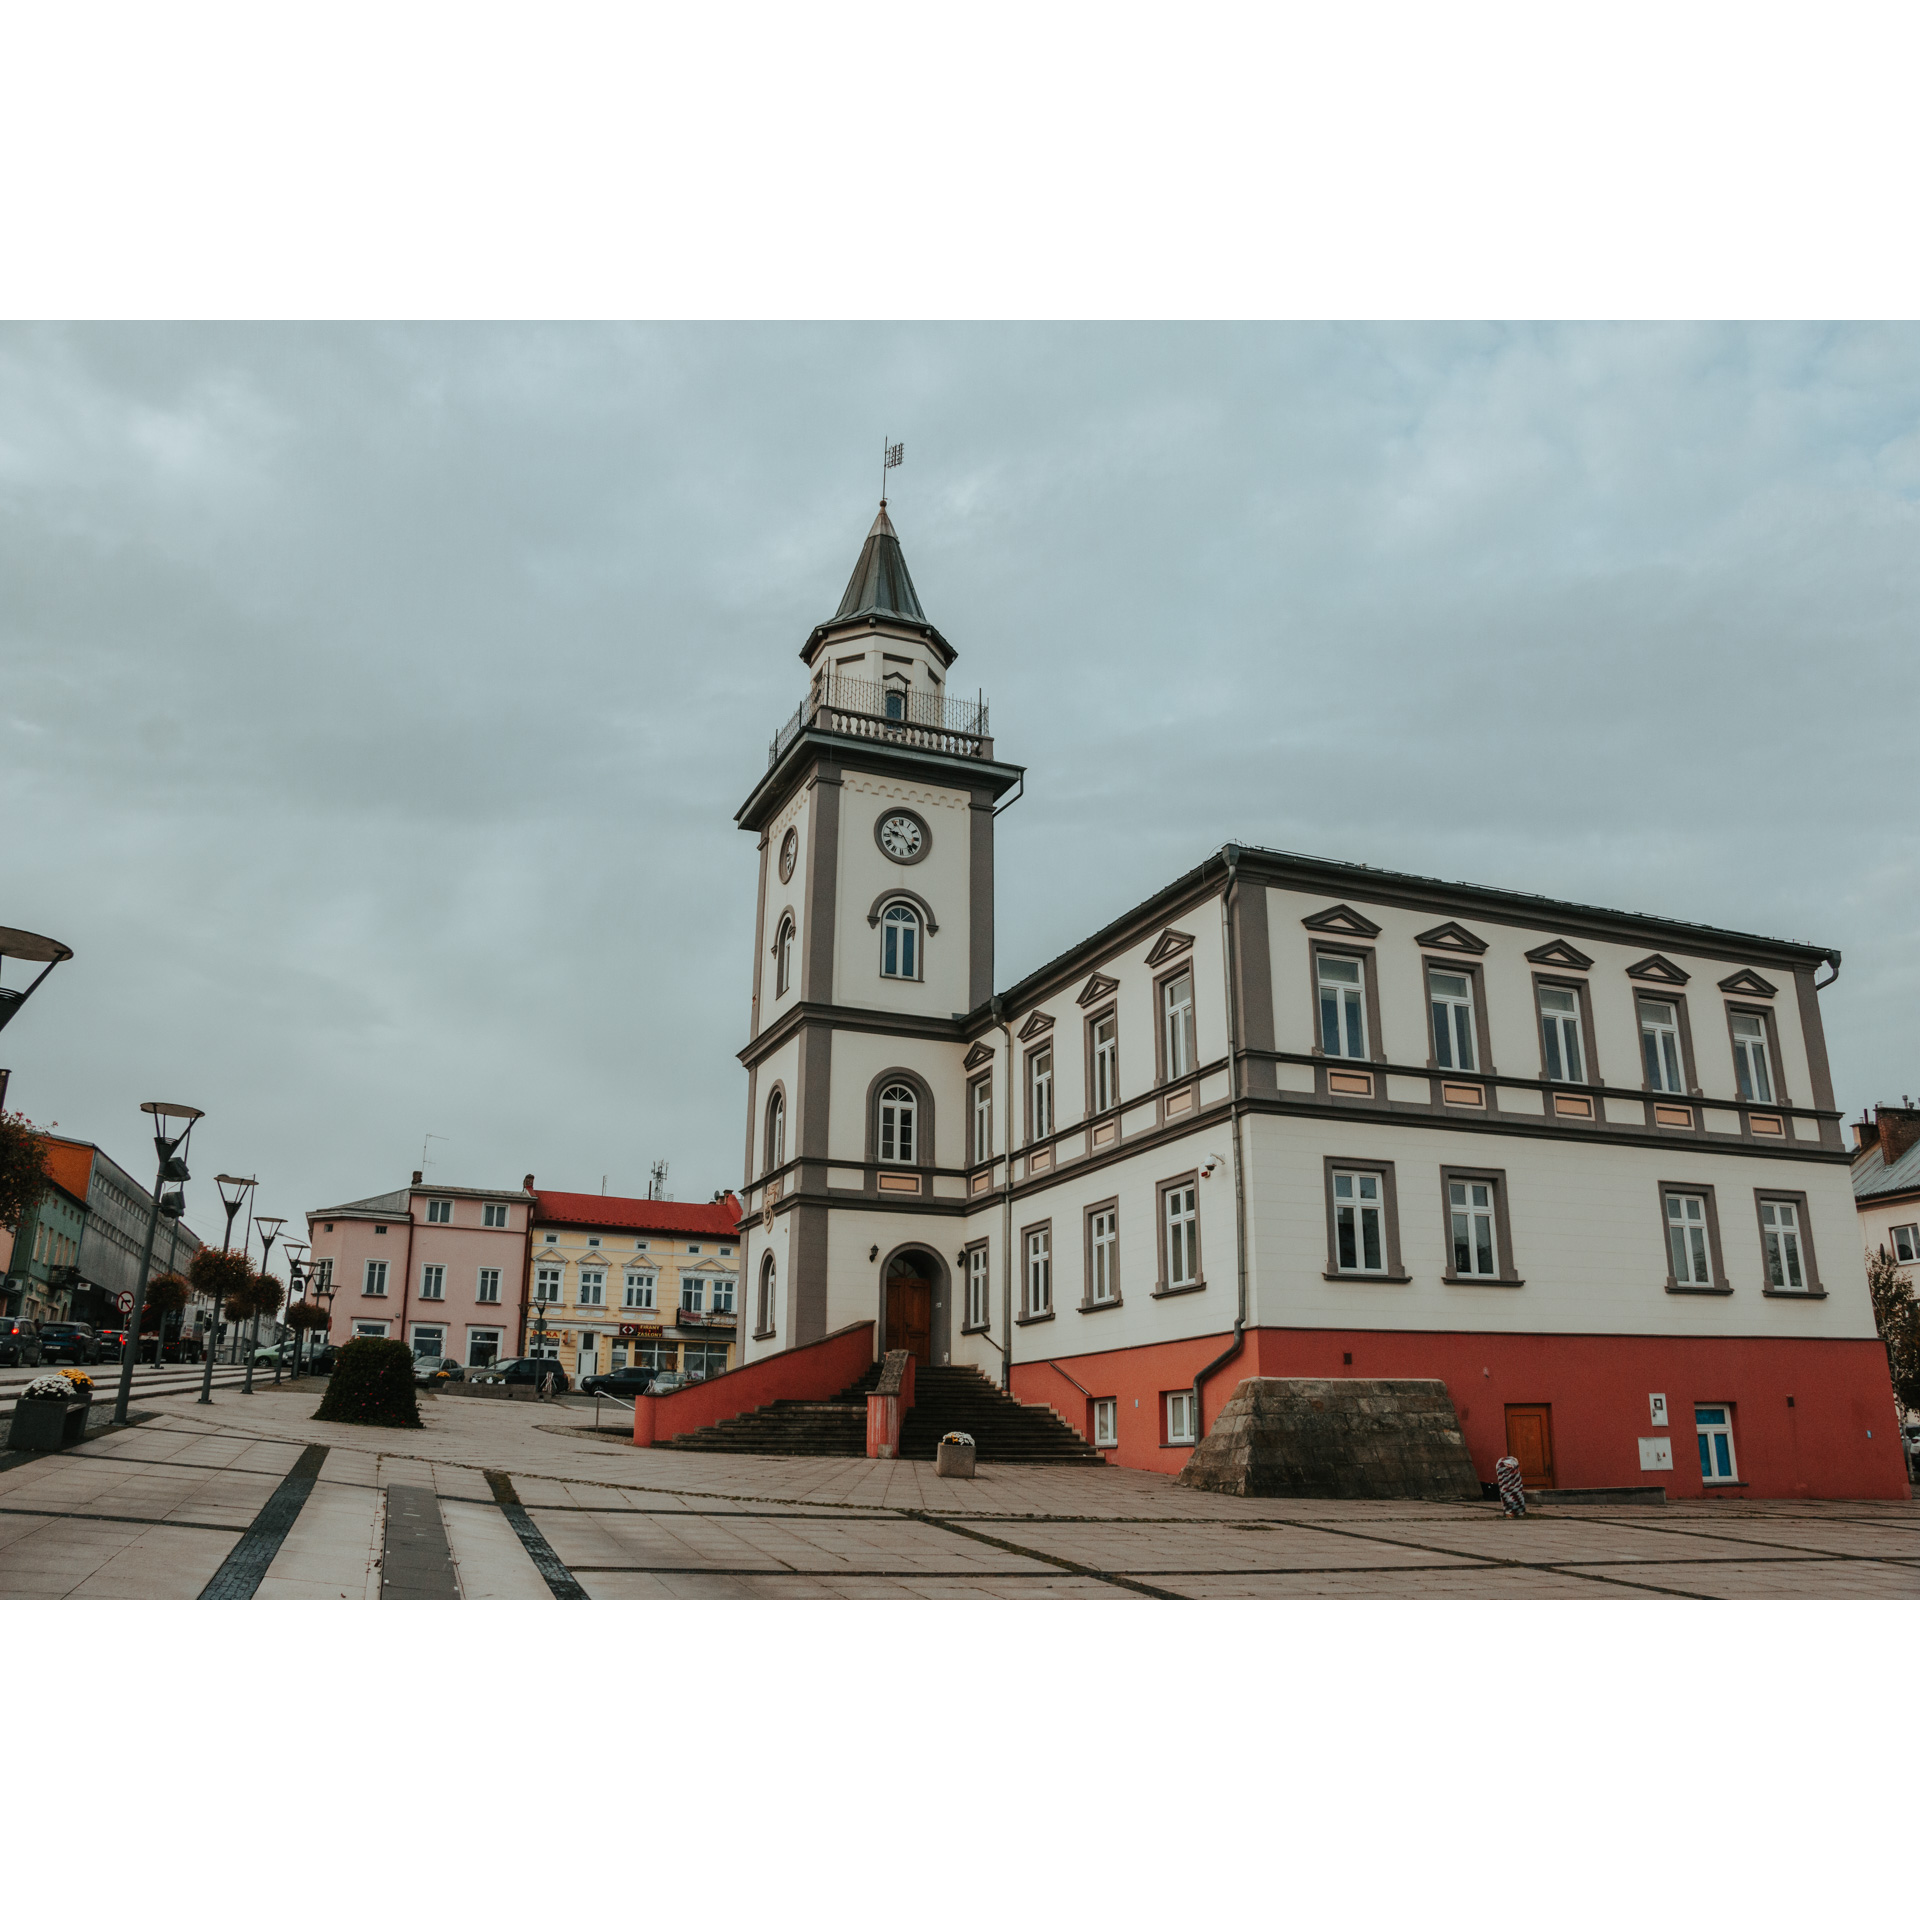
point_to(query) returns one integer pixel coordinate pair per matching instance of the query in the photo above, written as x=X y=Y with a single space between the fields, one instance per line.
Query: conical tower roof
x=881 y=589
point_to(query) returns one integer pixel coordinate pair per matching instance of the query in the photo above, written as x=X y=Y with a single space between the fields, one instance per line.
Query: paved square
x=487 y=1501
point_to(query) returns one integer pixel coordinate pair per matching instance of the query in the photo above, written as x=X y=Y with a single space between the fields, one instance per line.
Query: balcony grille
x=873 y=710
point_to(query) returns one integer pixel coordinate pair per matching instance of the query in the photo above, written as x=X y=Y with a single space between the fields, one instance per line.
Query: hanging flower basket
x=49 y=1415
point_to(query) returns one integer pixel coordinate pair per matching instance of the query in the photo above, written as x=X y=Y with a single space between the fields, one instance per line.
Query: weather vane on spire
x=895 y=452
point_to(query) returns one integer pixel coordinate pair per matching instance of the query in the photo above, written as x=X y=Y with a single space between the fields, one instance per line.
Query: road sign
x=125 y=1303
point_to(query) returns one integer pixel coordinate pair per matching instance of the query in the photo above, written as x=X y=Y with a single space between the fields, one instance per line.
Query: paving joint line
x=239 y=1575
x=1052 y=1560
x=124 y=1519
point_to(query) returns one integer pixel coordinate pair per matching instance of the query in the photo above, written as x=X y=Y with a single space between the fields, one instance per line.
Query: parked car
x=321 y=1359
x=521 y=1373
x=624 y=1382
x=68 y=1343
x=671 y=1382
x=436 y=1366
x=113 y=1342
x=19 y=1343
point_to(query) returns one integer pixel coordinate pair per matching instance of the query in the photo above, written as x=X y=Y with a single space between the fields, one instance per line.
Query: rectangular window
x=488 y=1291
x=1451 y=996
x=639 y=1289
x=322 y=1275
x=1751 y=1066
x=1714 y=1427
x=376 y=1280
x=429 y=1343
x=1103 y=1256
x=546 y=1283
x=1176 y=1025
x=723 y=1293
x=1180 y=1218
x=1180 y=1418
x=369 y=1329
x=981 y=1095
x=439 y=1212
x=1343 y=1007
x=693 y=1291
x=978 y=1300
x=593 y=1286
x=1106 y=1423
x=492 y=1215
x=433 y=1283
x=1470 y=1213
x=483 y=1346
x=1689 y=1244
x=1040 y=1093
x=1106 y=1063
x=1560 y=1034
x=1039 y=1246
x=1660 y=1046
x=1359 y=1222
x=1780 y=1234
x=1906 y=1244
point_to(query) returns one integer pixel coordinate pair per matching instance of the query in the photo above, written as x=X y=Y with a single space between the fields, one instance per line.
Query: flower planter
x=954 y=1460
x=46 y=1426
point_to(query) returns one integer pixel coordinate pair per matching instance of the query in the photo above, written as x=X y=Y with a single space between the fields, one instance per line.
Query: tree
x=23 y=1167
x=1896 y=1317
x=372 y=1385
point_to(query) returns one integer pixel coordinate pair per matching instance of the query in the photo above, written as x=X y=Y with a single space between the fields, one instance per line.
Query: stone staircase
x=946 y=1399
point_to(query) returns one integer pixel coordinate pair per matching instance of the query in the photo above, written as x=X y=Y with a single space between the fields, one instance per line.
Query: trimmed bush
x=372 y=1385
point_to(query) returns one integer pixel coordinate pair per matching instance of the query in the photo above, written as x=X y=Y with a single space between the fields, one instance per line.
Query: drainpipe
x=1236 y=1056
x=1006 y=1204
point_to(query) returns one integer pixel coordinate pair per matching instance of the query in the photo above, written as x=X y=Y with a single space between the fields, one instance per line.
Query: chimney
x=528 y=1183
x=1866 y=1132
x=1899 y=1129
x=416 y=1179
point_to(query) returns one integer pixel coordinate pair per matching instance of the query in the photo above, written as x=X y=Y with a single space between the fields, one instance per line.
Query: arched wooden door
x=909 y=1308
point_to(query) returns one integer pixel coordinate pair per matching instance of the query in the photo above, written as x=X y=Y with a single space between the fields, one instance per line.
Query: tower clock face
x=789 y=852
x=902 y=837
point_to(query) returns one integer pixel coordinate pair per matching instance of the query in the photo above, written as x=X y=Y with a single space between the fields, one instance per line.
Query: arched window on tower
x=899 y=1114
x=783 y=956
x=776 y=1130
x=765 y=1308
x=900 y=943
x=896 y=696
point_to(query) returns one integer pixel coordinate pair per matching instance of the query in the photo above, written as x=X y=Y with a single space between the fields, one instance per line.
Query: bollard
x=1513 y=1495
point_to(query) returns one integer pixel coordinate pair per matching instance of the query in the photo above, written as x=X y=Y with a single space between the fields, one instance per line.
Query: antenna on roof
x=424 y=1161
x=603 y=1186
x=657 y=1186
x=891 y=455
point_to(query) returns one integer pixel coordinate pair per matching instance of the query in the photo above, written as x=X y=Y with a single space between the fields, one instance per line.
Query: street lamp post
x=173 y=1254
x=269 y=1225
x=233 y=1189
x=296 y=1277
x=172 y=1152
x=17 y=944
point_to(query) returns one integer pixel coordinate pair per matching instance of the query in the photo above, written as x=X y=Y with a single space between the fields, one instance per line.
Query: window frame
x=899 y=903
x=368 y=1291
x=1912 y=1230
x=598 y=1276
x=1731 y=1478
x=1683 y=1026
x=783 y=945
x=896 y=1110
x=439 y=1213
x=766 y=1293
x=1475 y=976
x=1106 y=1431
x=1803 y=1228
x=1374 y=1056
x=498 y=1345
x=1506 y=1273
x=773 y=1133
x=1105 y=1014
x=1099 y=1209
x=925 y=1137
x=1041 y=1052
x=1163 y=1065
x=1716 y=1259
x=1770 y=1039
x=544 y=1276
x=1183 y=1397
x=1030 y=1232
x=488 y=1208
x=433 y=1280
x=1577 y=985
x=1163 y=1289
x=979 y=1154
x=984 y=1248
x=1396 y=1273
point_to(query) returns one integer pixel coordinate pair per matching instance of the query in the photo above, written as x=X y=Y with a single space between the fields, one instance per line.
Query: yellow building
x=645 y=1283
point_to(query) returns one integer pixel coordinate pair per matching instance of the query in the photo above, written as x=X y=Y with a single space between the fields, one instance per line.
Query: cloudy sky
x=376 y=700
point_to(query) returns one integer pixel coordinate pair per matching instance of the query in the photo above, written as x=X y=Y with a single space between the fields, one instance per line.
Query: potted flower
x=50 y=1414
x=82 y=1382
x=953 y=1459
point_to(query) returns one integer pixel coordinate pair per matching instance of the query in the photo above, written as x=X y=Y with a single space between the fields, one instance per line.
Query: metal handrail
x=876 y=710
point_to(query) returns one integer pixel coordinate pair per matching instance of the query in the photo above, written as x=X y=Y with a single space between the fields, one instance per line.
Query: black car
x=69 y=1342
x=625 y=1382
x=113 y=1342
x=19 y=1343
x=521 y=1373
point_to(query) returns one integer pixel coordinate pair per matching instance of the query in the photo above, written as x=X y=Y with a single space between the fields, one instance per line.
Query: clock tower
x=872 y=978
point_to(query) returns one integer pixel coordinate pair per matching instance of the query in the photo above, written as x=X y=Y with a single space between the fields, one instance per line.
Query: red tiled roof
x=716 y=1219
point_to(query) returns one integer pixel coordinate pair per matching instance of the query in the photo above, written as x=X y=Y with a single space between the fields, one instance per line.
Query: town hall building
x=1289 y=1116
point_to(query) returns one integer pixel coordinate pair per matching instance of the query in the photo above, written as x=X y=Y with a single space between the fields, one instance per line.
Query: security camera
x=1214 y=1164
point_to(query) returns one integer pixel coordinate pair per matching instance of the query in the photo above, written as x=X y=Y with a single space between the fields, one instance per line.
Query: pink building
x=442 y=1268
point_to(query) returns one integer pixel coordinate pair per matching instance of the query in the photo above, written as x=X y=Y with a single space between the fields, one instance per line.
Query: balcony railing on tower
x=881 y=710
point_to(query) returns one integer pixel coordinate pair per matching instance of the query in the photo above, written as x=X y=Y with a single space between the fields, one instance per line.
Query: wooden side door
x=910 y=1315
x=1530 y=1441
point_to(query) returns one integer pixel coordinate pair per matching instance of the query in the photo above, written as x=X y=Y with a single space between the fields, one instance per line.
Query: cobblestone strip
x=1052 y=1560
x=241 y=1572
x=552 y=1569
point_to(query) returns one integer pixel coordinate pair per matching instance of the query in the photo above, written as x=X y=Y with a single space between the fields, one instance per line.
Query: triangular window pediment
x=1170 y=945
x=1657 y=968
x=1342 y=919
x=1747 y=981
x=1450 y=937
x=1560 y=953
x=978 y=1055
x=1037 y=1024
x=1097 y=989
